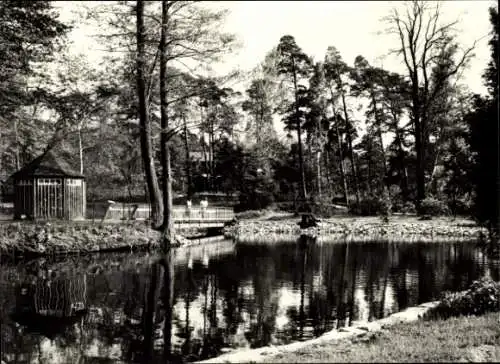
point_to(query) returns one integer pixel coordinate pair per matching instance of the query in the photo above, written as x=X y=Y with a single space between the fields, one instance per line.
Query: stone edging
x=267 y=352
x=252 y=230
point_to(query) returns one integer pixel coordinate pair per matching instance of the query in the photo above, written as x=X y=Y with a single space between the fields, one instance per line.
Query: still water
x=215 y=298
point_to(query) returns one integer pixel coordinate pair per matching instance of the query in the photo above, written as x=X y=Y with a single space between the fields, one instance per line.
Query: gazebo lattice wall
x=48 y=188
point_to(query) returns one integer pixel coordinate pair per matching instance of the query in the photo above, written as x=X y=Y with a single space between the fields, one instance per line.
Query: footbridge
x=194 y=216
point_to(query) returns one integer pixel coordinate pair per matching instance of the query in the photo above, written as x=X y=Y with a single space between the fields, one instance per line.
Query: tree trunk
x=327 y=166
x=167 y=225
x=16 y=137
x=129 y=185
x=80 y=148
x=168 y=221
x=189 y=191
x=342 y=168
x=1 y=158
x=309 y=152
x=418 y=124
x=404 y=169
x=419 y=148
x=212 y=148
x=303 y=190
x=381 y=140
x=369 y=181
x=339 y=141
x=260 y=124
x=439 y=142
x=351 y=151
x=318 y=171
x=205 y=159
x=432 y=185
x=145 y=125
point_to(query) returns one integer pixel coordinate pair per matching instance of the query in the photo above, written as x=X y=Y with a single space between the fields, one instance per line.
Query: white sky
x=350 y=26
x=353 y=27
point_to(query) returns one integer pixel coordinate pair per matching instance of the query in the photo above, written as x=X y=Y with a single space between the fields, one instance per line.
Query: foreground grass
x=461 y=339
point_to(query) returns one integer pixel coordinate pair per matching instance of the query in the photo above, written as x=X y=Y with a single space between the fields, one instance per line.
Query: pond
x=118 y=308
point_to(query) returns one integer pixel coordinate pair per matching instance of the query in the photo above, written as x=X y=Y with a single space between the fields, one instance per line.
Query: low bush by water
x=482 y=296
x=433 y=207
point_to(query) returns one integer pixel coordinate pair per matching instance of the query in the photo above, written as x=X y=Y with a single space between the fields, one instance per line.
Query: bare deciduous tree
x=425 y=43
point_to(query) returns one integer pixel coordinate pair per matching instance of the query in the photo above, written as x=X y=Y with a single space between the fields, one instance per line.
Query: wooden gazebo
x=48 y=188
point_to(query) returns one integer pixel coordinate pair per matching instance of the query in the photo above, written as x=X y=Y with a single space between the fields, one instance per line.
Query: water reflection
x=46 y=293
x=200 y=302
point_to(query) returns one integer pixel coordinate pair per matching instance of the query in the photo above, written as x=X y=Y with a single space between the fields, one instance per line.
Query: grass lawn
x=464 y=339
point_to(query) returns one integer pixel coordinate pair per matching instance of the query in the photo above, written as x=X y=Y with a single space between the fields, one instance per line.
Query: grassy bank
x=72 y=237
x=31 y=239
x=456 y=339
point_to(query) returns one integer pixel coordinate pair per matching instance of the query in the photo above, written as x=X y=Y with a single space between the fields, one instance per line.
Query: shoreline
x=184 y=255
x=37 y=239
x=266 y=353
x=354 y=229
x=31 y=240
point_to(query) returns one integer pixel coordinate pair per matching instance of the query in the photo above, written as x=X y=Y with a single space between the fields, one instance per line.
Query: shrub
x=324 y=210
x=482 y=296
x=254 y=200
x=370 y=206
x=461 y=206
x=404 y=207
x=400 y=203
x=431 y=206
x=385 y=204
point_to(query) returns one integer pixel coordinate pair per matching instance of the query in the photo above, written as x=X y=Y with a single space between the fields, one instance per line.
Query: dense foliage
x=484 y=142
x=418 y=141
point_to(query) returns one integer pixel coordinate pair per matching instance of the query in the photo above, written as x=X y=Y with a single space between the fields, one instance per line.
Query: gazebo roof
x=47 y=165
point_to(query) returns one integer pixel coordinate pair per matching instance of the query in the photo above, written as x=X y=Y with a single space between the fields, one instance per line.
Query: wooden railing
x=209 y=214
x=180 y=213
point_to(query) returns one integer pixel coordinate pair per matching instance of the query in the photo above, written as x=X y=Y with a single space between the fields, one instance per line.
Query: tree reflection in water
x=142 y=310
x=341 y=307
x=186 y=331
x=265 y=304
x=158 y=308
